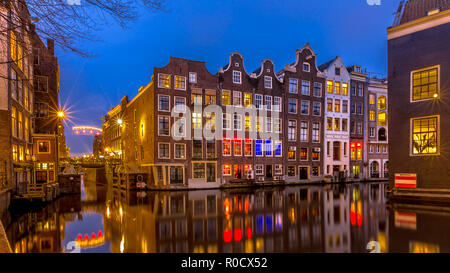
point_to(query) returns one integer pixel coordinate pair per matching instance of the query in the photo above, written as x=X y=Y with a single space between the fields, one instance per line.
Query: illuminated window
x=303 y=153
x=142 y=130
x=210 y=121
x=248 y=147
x=337 y=88
x=337 y=106
x=345 y=89
x=268 y=82
x=237 y=98
x=27 y=133
x=196 y=120
x=259 y=147
x=14 y=121
x=14 y=152
x=196 y=98
x=226 y=146
x=13 y=46
x=268 y=148
x=227 y=169
x=372 y=115
x=382 y=103
x=163 y=81
x=330 y=87
x=180 y=151
x=425 y=135
x=210 y=97
x=315 y=154
x=237 y=77
x=198 y=170
x=226 y=97
x=425 y=84
x=19 y=57
x=238 y=147
x=292 y=153
x=247 y=123
x=337 y=124
x=247 y=99
x=372 y=98
x=43 y=147
x=329 y=105
x=329 y=124
x=382 y=118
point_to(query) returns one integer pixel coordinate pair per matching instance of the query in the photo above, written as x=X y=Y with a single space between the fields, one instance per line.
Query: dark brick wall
x=418 y=50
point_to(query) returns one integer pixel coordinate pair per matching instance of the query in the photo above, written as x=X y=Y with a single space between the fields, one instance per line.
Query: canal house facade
x=337 y=137
x=419 y=98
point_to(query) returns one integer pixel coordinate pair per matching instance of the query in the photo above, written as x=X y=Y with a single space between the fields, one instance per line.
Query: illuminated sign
x=405 y=180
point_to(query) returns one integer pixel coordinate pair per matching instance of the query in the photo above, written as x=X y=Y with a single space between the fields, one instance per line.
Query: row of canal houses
x=305 y=123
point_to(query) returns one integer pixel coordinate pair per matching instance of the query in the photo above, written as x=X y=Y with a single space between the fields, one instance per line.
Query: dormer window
x=433 y=11
x=237 y=77
x=306 y=67
x=358 y=68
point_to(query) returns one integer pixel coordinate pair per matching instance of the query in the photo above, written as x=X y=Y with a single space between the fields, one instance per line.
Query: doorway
x=303 y=171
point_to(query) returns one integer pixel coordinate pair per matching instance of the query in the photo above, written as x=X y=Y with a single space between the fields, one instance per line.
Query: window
x=237 y=122
x=329 y=124
x=259 y=123
x=268 y=82
x=292 y=130
x=14 y=121
x=163 y=81
x=304 y=131
x=268 y=124
x=382 y=103
x=180 y=104
x=382 y=118
x=359 y=128
x=180 y=151
x=372 y=99
x=337 y=106
x=316 y=132
x=372 y=132
x=353 y=89
x=226 y=97
x=306 y=67
x=14 y=152
x=315 y=154
x=43 y=147
x=268 y=148
x=315 y=171
x=237 y=98
x=292 y=107
x=248 y=147
x=180 y=127
x=304 y=107
x=305 y=88
x=180 y=82
x=268 y=102
x=164 y=103
x=344 y=125
x=278 y=148
x=337 y=71
x=345 y=106
x=259 y=169
x=237 y=147
x=277 y=125
x=210 y=97
x=226 y=121
x=226 y=170
x=197 y=148
x=197 y=120
x=329 y=105
x=163 y=150
x=337 y=124
x=352 y=107
x=192 y=77
x=293 y=86
x=359 y=109
x=258 y=147
x=247 y=99
x=237 y=77
x=198 y=170
x=317 y=92
x=337 y=88
x=291 y=171
x=258 y=101
x=210 y=120
x=316 y=108
x=360 y=90
x=277 y=104
x=40 y=83
x=303 y=153
x=344 y=89
x=163 y=128
x=226 y=146
x=14 y=84
x=372 y=115
x=292 y=153
x=330 y=87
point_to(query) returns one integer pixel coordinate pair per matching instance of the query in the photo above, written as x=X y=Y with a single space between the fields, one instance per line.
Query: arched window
x=374 y=169
x=386 y=169
x=381 y=118
x=382 y=134
x=382 y=103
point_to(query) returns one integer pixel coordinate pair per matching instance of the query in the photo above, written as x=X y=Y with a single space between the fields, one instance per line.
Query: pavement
x=4 y=243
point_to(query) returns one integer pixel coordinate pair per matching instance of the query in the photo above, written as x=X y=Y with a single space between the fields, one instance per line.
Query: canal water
x=331 y=218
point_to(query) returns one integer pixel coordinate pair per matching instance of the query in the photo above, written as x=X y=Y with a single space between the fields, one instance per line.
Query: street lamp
x=119 y=121
x=61 y=114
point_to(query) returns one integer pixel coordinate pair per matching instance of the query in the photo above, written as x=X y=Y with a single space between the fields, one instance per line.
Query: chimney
x=51 y=46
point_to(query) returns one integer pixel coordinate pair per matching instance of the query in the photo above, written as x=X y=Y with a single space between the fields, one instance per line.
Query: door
x=210 y=172
x=303 y=173
x=269 y=171
x=176 y=175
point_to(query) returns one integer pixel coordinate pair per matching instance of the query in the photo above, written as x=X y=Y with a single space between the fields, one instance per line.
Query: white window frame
x=175 y=104
x=296 y=86
x=268 y=79
x=159 y=155
x=235 y=74
x=159 y=117
x=192 y=74
x=175 y=81
x=162 y=95
x=159 y=80
x=175 y=149
x=303 y=67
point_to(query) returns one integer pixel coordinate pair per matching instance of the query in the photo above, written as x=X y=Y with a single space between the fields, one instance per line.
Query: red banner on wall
x=405 y=180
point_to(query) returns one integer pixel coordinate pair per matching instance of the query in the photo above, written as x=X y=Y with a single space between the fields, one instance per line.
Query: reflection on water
x=338 y=218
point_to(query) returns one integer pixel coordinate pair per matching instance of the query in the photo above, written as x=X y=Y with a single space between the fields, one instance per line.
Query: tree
x=70 y=22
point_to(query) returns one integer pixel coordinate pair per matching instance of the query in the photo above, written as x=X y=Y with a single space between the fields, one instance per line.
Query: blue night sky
x=209 y=31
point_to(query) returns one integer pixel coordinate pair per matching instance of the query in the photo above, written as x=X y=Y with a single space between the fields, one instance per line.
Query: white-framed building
x=336 y=118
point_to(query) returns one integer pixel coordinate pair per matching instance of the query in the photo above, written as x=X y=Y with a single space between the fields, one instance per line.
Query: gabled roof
x=415 y=9
x=324 y=66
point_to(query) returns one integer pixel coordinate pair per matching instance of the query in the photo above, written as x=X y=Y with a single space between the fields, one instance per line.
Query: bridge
x=91 y=162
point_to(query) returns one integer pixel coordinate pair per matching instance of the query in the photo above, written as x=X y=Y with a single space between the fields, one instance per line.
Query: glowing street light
x=61 y=114
x=119 y=121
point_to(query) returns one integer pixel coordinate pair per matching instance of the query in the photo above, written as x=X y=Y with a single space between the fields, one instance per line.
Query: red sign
x=405 y=180
x=406 y=220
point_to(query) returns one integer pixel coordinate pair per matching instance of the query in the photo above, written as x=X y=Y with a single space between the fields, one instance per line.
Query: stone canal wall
x=4 y=244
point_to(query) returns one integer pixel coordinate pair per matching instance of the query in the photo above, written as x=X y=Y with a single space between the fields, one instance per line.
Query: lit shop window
x=248 y=149
x=163 y=81
x=237 y=147
x=180 y=82
x=226 y=146
x=425 y=135
x=425 y=84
